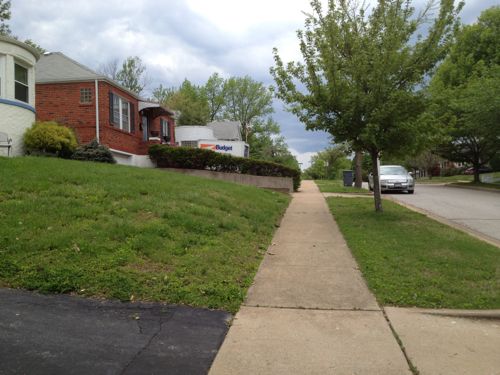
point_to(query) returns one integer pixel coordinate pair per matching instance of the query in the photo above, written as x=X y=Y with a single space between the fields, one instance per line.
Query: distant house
x=17 y=93
x=219 y=136
x=97 y=107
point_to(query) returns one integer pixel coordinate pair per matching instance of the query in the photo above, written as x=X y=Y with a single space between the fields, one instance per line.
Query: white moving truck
x=223 y=137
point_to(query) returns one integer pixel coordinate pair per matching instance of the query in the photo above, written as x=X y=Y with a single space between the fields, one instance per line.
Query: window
x=120 y=112
x=192 y=144
x=85 y=96
x=164 y=129
x=21 y=83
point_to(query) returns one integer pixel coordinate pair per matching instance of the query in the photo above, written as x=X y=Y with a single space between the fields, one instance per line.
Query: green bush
x=196 y=158
x=50 y=138
x=94 y=151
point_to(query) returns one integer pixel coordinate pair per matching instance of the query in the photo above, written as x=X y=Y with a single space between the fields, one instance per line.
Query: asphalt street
x=475 y=209
x=70 y=335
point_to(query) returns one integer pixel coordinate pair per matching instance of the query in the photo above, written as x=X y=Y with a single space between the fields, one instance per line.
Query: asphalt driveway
x=476 y=209
x=62 y=334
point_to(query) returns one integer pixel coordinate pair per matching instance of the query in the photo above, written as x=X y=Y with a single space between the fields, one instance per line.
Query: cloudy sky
x=179 y=39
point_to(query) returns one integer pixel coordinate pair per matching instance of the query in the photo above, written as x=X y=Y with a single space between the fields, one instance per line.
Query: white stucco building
x=17 y=91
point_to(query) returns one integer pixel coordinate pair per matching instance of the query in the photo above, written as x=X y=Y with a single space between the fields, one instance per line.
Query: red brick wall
x=61 y=102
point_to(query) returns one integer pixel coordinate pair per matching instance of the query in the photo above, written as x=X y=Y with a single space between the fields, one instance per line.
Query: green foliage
x=4 y=16
x=246 y=101
x=215 y=93
x=94 y=151
x=360 y=74
x=36 y=46
x=266 y=144
x=131 y=74
x=50 y=138
x=465 y=92
x=328 y=164
x=113 y=231
x=411 y=260
x=190 y=101
x=196 y=158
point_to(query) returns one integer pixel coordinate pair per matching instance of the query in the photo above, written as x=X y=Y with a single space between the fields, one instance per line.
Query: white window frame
x=86 y=93
x=164 y=127
x=27 y=84
x=119 y=122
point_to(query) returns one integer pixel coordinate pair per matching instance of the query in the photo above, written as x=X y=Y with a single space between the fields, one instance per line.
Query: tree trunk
x=377 y=196
x=358 y=159
x=477 y=179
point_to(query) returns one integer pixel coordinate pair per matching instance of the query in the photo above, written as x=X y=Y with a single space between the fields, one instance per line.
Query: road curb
x=442 y=220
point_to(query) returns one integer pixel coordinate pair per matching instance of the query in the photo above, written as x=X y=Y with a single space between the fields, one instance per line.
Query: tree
x=162 y=94
x=131 y=75
x=109 y=69
x=466 y=94
x=327 y=164
x=191 y=102
x=246 y=101
x=215 y=92
x=4 y=16
x=361 y=72
x=36 y=46
x=266 y=144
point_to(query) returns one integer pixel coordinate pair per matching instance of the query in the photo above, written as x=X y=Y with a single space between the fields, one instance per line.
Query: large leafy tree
x=466 y=93
x=190 y=101
x=246 y=100
x=266 y=143
x=132 y=74
x=4 y=16
x=361 y=71
x=215 y=92
x=329 y=163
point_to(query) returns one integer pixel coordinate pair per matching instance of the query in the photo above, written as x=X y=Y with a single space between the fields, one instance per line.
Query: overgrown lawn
x=133 y=234
x=409 y=259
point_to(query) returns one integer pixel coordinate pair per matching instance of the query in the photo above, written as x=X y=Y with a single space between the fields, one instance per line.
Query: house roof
x=54 y=67
x=226 y=130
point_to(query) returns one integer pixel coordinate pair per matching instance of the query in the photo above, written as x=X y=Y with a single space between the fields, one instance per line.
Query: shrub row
x=48 y=138
x=196 y=158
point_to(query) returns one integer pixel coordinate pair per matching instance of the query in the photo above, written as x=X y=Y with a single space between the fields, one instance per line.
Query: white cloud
x=304 y=158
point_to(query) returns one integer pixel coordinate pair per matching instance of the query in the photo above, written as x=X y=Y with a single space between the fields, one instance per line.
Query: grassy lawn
x=337 y=186
x=132 y=234
x=411 y=260
x=444 y=180
x=478 y=184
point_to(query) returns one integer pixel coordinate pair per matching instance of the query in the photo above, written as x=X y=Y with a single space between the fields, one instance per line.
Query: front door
x=145 y=128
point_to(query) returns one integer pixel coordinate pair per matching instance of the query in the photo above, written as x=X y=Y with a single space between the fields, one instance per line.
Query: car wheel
x=411 y=191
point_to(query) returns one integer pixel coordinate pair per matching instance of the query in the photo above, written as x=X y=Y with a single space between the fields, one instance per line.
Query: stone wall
x=283 y=184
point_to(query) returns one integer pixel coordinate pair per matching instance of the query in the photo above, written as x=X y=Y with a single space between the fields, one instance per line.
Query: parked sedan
x=394 y=178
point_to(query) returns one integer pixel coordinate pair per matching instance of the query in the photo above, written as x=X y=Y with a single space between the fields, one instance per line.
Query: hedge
x=197 y=158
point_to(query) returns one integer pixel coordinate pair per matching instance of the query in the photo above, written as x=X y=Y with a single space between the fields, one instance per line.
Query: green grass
x=411 y=260
x=337 y=186
x=129 y=233
x=478 y=184
x=444 y=179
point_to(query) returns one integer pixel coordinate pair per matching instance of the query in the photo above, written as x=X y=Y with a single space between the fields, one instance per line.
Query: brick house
x=97 y=107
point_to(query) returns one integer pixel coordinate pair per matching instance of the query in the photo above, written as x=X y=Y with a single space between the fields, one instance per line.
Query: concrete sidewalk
x=309 y=310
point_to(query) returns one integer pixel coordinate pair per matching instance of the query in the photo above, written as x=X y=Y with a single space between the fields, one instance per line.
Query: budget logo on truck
x=216 y=147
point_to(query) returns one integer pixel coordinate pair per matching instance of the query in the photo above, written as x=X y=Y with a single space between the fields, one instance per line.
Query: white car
x=394 y=178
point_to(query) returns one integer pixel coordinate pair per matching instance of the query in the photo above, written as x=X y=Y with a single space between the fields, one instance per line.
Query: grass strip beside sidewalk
x=409 y=259
x=132 y=234
x=337 y=186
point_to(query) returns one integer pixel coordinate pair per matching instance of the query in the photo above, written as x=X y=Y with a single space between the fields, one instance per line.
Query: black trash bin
x=348 y=178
